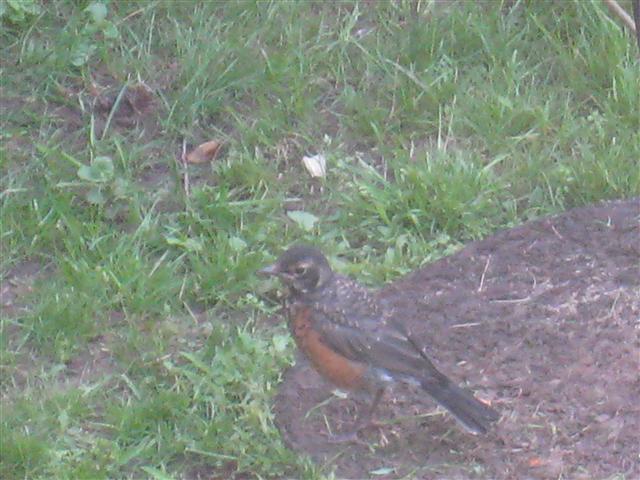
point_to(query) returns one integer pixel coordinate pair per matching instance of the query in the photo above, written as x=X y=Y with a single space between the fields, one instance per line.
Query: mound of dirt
x=542 y=321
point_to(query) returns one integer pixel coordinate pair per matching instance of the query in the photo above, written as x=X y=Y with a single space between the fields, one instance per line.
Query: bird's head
x=302 y=268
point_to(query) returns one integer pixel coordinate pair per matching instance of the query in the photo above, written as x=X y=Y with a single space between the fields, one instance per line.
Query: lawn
x=136 y=340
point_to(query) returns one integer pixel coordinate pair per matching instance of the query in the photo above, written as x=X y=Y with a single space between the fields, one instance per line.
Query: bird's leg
x=364 y=421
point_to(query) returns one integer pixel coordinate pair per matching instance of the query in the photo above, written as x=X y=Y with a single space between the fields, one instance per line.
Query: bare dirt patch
x=91 y=364
x=542 y=321
x=128 y=107
x=17 y=283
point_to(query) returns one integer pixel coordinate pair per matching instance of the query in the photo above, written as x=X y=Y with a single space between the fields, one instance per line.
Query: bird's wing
x=357 y=327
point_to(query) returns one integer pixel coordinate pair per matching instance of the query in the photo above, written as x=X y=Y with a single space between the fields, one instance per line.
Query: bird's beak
x=269 y=271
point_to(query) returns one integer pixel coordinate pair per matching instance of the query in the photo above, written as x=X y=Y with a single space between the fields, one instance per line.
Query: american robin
x=357 y=343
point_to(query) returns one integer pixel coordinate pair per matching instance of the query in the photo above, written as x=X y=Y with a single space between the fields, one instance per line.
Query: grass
x=139 y=349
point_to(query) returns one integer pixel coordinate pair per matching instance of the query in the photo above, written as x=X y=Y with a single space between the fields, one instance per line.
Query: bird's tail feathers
x=474 y=415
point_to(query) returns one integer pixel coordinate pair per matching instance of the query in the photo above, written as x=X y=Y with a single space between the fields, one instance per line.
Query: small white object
x=316 y=165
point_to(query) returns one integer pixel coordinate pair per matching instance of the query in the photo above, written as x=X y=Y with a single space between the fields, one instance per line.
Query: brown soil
x=542 y=321
x=17 y=283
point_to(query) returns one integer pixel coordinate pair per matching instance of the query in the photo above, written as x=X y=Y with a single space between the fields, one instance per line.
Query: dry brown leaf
x=205 y=152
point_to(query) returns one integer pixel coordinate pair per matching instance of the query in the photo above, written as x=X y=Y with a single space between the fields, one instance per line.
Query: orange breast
x=336 y=368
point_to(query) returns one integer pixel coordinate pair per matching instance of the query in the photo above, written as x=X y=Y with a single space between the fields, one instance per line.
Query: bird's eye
x=300 y=270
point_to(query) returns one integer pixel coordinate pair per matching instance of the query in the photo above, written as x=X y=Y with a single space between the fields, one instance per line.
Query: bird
x=358 y=343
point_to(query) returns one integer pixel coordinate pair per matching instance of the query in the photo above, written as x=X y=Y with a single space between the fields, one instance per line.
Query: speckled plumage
x=356 y=342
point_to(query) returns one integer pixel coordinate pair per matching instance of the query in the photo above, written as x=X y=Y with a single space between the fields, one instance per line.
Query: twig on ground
x=184 y=168
x=486 y=267
x=615 y=8
x=636 y=16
